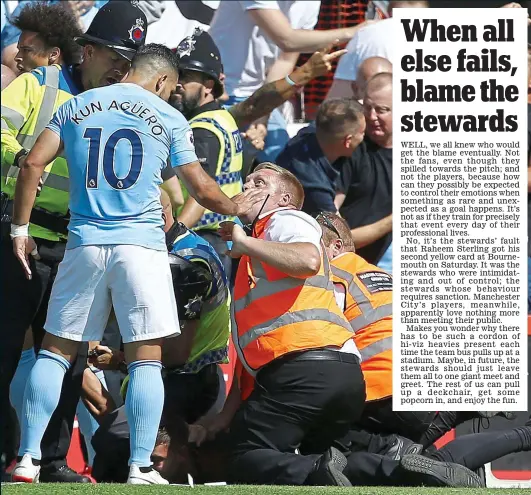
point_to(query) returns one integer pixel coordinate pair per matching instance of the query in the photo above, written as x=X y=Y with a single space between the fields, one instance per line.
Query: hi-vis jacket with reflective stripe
x=28 y=104
x=275 y=314
x=230 y=160
x=368 y=308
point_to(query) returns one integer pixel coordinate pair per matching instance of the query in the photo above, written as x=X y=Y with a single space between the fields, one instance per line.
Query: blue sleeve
x=58 y=120
x=182 y=144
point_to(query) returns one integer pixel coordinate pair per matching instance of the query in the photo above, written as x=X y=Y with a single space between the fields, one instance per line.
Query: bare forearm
x=305 y=41
x=206 y=191
x=271 y=95
x=363 y=236
x=26 y=192
x=191 y=213
x=297 y=259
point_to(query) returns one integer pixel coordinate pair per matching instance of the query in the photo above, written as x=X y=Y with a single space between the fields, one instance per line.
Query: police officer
x=217 y=139
x=28 y=103
x=216 y=130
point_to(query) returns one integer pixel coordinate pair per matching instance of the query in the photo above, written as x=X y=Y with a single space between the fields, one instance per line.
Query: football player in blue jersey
x=117 y=140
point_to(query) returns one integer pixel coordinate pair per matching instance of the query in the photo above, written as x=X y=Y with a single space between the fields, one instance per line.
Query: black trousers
x=379 y=417
x=295 y=400
x=24 y=303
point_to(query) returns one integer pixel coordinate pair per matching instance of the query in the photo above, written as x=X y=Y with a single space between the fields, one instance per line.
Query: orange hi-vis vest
x=368 y=308
x=275 y=314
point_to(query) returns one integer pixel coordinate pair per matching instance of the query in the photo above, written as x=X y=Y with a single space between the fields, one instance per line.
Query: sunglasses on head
x=328 y=224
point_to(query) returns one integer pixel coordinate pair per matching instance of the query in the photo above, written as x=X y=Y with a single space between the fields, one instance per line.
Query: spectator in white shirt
x=376 y=40
x=260 y=41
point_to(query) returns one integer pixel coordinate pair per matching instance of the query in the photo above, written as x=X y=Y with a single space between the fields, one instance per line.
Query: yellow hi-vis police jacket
x=230 y=160
x=28 y=104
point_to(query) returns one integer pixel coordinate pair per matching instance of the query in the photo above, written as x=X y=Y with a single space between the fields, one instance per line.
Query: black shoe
x=329 y=470
x=403 y=446
x=61 y=474
x=420 y=470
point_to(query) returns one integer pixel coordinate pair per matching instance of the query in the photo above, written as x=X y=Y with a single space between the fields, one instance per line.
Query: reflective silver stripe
x=16 y=119
x=368 y=313
x=47 y=107
x=10 y=171
x=290 y=319
x=4 y=125
x=5 y=169
x=376 y=348
x=264 y=288
x=57 y=182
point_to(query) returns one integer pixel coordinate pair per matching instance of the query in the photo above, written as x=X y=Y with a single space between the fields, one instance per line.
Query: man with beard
x=28 y=104
x=216 y=131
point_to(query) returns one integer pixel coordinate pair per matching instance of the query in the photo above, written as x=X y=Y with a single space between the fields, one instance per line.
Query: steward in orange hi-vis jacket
x=368 y=308
x=291 y=335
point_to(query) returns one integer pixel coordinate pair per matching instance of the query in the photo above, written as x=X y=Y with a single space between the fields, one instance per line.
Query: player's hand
x=247 y=199
x=105 y=358
x=23 y=247
x=231 y=232
x=320 y=63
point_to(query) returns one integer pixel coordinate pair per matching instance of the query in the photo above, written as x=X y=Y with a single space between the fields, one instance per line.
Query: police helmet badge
x=194 y=306
x=187 y=46
x=137 y=33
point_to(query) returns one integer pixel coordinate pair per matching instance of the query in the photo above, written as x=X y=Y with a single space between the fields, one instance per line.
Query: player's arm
x=208 y=149
x=44 y=151
x=198 y=183
x=272 y=94
x=19 y=100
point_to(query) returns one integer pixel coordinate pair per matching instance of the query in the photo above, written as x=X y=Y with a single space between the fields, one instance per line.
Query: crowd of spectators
x=343 y=160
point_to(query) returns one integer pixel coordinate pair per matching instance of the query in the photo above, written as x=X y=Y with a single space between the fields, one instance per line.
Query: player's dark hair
x=56 y=27
x=155 y=58
x=338 y=116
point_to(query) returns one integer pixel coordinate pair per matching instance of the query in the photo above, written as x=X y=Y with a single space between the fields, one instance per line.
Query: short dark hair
x=55 y=26
x=338 y=116
x=155 y=57
x=341 y=227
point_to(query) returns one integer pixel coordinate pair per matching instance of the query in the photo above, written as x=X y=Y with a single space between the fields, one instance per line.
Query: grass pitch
x=109 y=489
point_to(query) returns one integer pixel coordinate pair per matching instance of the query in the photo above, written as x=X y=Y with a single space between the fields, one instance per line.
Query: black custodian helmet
x=118 y=25
x=191 y=284
x=199 y=53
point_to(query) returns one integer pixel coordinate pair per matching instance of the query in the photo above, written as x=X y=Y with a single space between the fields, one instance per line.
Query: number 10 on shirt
x=135 y=167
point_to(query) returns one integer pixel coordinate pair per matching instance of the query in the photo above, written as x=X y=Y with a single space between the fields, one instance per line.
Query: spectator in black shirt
x=313 y=155
x=365 y=185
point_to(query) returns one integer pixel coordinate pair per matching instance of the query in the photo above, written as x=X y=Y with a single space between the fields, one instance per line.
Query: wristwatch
x=19 y=155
